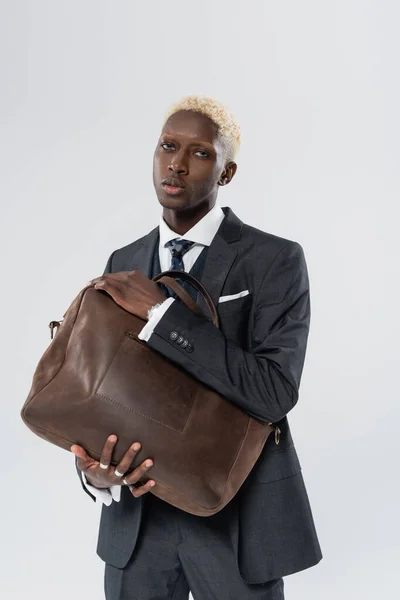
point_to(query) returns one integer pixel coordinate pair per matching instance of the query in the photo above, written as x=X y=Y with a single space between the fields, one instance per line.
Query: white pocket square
x=233 y=296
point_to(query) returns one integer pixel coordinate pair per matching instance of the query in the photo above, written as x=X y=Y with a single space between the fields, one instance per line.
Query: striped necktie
x=177 y=248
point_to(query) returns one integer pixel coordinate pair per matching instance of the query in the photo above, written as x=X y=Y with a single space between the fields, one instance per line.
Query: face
x=189 y=162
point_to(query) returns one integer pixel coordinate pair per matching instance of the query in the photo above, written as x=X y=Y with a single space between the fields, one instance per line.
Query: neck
x=182 y=221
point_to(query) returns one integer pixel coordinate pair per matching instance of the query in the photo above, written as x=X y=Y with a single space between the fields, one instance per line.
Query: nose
x=178 y=165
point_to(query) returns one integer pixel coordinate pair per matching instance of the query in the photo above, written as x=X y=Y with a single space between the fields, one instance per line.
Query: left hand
x=132 y=290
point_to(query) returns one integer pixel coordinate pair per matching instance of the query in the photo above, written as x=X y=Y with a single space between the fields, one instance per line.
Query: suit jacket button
x=173 y=335
x=185 y=343
x=180 y=340
x=189 y=348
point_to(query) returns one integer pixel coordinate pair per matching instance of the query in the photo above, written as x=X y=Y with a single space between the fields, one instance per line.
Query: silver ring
x=103 y=466
x=131 y=486
x=118 y=474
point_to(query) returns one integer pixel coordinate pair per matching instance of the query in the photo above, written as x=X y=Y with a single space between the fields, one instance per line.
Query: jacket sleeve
x=265 y=380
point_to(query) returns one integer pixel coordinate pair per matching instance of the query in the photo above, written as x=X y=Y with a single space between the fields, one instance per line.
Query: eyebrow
x=193 y=143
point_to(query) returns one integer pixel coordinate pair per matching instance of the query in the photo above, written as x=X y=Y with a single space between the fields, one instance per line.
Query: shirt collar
x=202 y=232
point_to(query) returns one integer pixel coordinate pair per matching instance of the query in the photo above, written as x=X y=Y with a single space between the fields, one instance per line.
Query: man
x=259 y=283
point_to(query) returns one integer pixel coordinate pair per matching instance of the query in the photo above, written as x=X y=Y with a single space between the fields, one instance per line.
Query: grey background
x=84 y=86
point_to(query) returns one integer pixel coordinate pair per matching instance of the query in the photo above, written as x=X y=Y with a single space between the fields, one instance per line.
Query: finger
x=93 y=281
x=126 y=460
x=139 y=471
x=107 y=278
x=83 y=459
x=110 y=278
x=110 y=285
x=106 y=454
x=143 y=489
x=107 y=286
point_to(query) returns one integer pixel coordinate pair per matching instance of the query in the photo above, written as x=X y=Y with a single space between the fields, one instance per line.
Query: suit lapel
x=220 y=257
x=142 y=258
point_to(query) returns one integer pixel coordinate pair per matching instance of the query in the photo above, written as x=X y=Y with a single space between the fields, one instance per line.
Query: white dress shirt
x=202 y=234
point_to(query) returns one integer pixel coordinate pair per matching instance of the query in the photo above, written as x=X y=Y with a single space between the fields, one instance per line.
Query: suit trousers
x=177 y=553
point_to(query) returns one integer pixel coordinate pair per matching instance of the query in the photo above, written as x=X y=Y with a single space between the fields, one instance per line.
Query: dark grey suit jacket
x=255 y=360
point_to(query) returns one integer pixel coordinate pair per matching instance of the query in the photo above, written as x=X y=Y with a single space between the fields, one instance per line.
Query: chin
x=173 y=202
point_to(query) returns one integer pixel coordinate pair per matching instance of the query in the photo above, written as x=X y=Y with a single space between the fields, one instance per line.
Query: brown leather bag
x=97 y=377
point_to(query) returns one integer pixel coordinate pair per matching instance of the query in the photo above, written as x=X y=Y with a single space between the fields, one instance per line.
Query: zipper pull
x=53 y=325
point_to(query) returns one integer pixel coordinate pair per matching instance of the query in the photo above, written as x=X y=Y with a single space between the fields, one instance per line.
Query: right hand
x=104 y=478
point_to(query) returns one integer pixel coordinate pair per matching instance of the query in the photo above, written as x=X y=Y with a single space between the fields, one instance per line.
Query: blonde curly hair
x=228 y=128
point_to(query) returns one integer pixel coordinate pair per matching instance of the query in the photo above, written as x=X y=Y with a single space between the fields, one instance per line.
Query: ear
x=228 y=173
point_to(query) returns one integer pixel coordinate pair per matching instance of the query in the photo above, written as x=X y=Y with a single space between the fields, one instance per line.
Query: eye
x=169 y=145
x=202 y=154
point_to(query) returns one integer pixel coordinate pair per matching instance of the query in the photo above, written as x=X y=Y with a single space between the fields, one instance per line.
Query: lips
x=173 y=186
x=173 y=182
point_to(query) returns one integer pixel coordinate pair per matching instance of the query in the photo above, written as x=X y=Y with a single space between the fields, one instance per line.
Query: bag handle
x=182 y=293
x=169 y=279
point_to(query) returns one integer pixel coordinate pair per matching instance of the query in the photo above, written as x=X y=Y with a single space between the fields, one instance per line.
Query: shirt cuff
x=104 y=495
x=116 y=492
x=158 y=313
